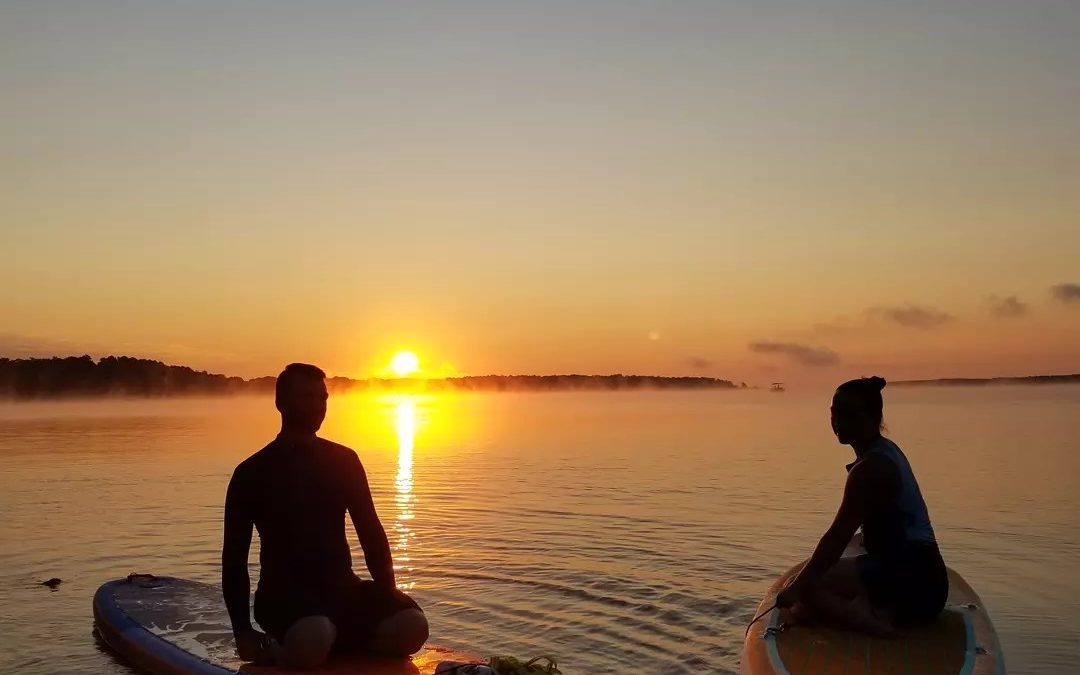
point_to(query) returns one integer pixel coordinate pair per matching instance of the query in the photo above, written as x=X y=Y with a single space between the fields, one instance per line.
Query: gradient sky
x=767 y=190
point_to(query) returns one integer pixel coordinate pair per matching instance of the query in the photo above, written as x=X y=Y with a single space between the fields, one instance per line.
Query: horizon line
x=420 y=379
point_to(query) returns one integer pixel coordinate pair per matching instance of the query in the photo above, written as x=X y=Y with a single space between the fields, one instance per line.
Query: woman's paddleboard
x=961 y=641
x=170 y=626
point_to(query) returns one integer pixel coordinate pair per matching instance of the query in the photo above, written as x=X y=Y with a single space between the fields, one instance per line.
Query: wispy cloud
x=1067 y=293
x=805 y=355
x=840 y=325
x=913 y=316
x=699 y=363
x=1008 y=307
x=877 y=318
x=21 y=346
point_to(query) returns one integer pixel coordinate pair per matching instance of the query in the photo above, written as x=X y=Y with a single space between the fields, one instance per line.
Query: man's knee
x=404 y=632
x=308 y=642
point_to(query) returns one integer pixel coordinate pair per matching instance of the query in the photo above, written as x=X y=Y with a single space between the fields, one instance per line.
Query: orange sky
x=753 y=192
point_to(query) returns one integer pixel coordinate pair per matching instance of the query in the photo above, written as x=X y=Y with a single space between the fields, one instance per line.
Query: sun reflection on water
x=406 y=423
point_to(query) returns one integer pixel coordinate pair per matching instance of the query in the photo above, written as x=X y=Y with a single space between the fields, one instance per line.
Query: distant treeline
x=81 y=376
x=537 y=383
x=982 y=382
x=110 y=376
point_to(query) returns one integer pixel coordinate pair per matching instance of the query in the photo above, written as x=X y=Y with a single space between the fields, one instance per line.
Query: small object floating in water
x=961 y=641
x=52 y=583
x=130 y=615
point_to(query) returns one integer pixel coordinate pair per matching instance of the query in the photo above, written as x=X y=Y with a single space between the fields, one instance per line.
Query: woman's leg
x=841 y=596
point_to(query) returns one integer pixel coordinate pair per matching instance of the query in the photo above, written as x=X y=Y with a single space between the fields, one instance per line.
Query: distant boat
x=778 y=387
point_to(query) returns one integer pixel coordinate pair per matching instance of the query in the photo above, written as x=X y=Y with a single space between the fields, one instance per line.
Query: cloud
x=840 y=326
x=1067 y=293
x=802 y=354
x=22 y=347
x=913 y=316
x=874 y=319
x=699 y=363
x=1008 y=307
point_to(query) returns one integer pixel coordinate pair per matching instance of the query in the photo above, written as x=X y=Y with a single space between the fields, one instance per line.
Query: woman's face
x=849 y=419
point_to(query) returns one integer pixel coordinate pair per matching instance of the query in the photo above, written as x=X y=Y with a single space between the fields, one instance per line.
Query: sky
x=777 y=190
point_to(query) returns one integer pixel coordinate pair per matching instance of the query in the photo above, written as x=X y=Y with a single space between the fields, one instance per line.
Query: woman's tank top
x=906 y=521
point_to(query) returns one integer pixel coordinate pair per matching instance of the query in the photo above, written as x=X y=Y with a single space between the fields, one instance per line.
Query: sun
x=404 y=364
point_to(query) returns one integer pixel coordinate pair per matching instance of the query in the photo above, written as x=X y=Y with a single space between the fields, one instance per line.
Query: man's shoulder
x=337 y=450
x=253 y=462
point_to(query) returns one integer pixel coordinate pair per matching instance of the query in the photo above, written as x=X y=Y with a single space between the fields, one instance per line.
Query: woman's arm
x=867 y=484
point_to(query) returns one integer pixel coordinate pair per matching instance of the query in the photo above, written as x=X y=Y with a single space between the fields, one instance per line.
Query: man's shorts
x=355 y=609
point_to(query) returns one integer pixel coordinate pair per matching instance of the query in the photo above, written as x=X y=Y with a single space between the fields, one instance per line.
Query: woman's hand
x=787 y=597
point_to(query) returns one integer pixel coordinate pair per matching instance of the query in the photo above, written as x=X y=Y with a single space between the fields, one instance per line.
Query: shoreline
x=1031 y=380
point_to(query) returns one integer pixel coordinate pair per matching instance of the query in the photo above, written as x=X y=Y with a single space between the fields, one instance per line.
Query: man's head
x=300 y=396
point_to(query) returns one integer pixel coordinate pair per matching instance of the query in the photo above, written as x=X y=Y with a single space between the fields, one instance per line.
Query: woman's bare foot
x=864 y=617
x=803 y=613
x=787 y=617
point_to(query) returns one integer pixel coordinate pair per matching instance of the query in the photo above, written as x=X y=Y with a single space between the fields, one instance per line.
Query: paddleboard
x=962 y=641
x=170 y=626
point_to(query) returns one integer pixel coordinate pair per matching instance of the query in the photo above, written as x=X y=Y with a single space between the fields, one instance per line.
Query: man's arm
x=235 y=583
x=369 y=529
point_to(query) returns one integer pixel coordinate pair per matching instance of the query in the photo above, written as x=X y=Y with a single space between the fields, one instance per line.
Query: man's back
x=296 y=492
x=296 y=495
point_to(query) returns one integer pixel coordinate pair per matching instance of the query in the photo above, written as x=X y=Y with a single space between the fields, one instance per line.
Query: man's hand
x=256 y=647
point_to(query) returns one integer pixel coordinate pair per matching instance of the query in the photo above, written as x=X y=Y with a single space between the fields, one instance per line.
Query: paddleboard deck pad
x=171 y=626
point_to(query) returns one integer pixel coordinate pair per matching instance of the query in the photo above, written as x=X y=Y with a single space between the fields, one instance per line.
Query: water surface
x=629 y=532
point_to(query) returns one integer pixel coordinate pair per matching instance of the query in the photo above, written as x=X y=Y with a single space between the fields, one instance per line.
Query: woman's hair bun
x=875 y=382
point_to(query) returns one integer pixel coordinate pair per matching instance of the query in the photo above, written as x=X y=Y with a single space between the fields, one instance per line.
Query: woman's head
x=857 y=410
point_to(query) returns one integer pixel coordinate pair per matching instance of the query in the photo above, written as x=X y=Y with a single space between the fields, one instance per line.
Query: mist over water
x=629 y=531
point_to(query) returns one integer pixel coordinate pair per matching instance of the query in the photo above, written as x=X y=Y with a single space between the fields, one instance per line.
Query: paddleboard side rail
x=770 y=643
x=138 y=644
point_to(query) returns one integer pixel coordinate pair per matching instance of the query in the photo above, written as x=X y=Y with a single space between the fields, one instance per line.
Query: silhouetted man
x=296 y=491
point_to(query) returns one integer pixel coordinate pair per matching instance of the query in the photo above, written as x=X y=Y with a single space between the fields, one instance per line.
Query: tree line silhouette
x=109 y=376
x=81 y=376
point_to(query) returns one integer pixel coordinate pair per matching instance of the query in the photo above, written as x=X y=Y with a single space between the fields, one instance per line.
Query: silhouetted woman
x=901 y=579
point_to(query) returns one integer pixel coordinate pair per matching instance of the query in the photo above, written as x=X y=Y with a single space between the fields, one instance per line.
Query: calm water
x=628 y=532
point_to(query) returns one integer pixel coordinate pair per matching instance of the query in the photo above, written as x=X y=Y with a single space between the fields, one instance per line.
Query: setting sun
x=404 y=364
